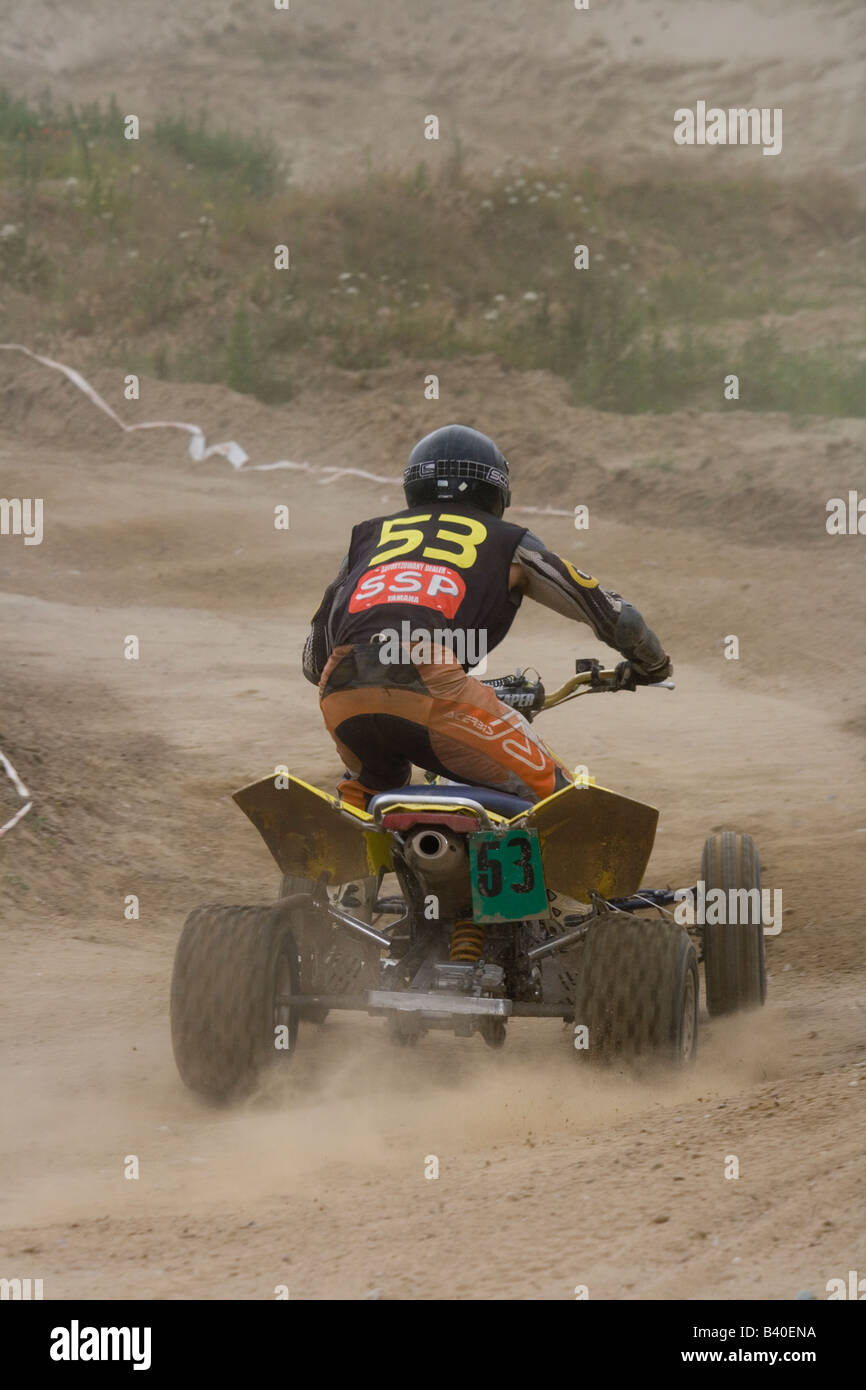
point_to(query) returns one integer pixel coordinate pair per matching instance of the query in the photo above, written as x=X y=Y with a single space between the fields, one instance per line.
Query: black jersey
x=444 y=569
x=431 y=569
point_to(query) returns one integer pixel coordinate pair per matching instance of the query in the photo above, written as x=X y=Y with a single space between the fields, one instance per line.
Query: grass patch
x=809 y=382
x=168 y=243
x=251 y=161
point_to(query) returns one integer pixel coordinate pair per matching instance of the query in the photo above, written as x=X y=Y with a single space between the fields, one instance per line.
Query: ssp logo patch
x=410 y=581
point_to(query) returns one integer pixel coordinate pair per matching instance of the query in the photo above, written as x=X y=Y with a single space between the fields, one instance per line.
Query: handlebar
x=528 y=696
x=591 y=682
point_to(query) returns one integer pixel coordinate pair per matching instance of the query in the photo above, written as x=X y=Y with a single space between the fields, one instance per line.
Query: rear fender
x=310 y=833
x=592 y=841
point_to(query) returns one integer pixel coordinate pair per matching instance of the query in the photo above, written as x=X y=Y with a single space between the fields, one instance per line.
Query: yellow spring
x=467 y=941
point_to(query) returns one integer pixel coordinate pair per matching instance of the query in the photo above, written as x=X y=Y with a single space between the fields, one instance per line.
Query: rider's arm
x=550 y=580
x=320 y=641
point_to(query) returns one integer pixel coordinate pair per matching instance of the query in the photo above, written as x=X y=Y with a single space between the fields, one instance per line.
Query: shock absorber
x=467 y=941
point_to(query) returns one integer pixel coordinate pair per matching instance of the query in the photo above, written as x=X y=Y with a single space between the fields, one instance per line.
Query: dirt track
x=549 y=1178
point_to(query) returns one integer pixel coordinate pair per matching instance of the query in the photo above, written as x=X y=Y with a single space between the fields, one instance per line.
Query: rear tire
x=637 y=992
x=233 y=970
x=734 y=959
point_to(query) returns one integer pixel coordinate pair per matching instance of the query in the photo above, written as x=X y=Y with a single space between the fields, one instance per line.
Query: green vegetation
x=253 y=163
x=161 y=251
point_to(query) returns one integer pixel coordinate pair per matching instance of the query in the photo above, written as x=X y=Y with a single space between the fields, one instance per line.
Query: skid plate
x=436 y=1002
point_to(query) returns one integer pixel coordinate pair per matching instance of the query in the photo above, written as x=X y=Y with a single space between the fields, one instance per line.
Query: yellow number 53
x=408 y=537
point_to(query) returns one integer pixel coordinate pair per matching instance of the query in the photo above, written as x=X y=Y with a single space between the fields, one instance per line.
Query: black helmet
x=457 y=464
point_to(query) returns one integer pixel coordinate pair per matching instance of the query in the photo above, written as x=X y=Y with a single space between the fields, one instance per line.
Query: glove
x=660 y=672
x=628 y=675
x=624 y=677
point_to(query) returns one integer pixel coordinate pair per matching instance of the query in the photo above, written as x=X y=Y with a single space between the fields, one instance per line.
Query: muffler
x=435 y=853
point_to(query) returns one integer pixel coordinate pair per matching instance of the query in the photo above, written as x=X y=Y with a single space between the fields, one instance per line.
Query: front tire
x=234 y=971
x=734 y=958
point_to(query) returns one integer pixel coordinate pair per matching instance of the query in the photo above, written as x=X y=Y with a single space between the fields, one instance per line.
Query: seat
x=501 y=803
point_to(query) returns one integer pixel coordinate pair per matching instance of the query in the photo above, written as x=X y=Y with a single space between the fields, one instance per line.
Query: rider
x=421 y=596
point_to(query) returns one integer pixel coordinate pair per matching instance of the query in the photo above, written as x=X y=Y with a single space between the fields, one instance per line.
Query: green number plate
x=507 y=877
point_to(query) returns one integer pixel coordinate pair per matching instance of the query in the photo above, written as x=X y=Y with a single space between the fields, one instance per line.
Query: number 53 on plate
x=507 y=876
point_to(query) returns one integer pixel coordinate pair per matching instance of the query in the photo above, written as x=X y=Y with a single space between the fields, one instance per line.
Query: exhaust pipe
x=435 y=853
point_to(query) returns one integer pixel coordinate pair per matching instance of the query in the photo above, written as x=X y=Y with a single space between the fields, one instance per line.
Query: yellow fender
x=309 y=832
x=592 y=840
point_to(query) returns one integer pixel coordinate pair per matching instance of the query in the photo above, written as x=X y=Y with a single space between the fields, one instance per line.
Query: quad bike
x=506 y=909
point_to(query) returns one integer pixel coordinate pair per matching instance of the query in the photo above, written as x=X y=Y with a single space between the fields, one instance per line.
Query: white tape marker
x=238 y=457
x=21 y=790
x=198 y=448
